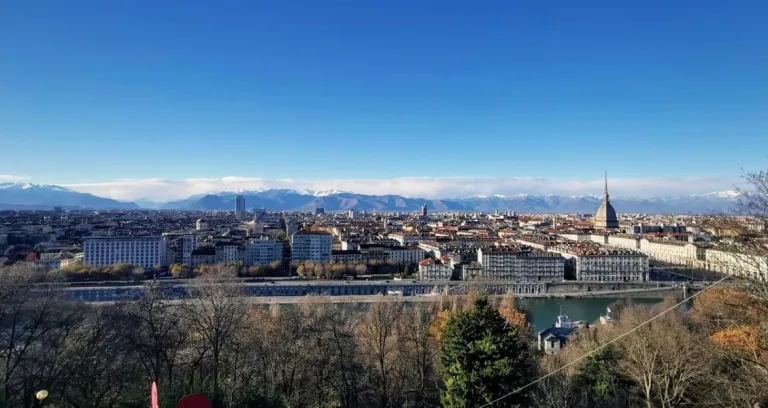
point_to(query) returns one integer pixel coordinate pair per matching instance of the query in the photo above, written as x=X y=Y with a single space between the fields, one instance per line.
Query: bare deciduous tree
x=155 y=331
x=215 y=313
x=377 y=336
x=662 y=357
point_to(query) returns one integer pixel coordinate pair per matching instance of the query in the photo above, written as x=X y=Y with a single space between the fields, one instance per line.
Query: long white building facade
x=683 y=253
x=144 y=251
x=597 y=263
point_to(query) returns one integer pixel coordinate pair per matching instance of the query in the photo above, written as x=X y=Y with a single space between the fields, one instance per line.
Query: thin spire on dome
x=607 y=197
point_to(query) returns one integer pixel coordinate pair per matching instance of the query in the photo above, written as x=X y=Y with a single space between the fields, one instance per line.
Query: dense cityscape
x=501 y=246
x=392 y=204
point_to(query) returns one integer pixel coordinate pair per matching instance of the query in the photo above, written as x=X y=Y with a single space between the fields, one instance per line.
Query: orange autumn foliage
x=725 y=307
x=743 y=338
x=514 y=317
x=439 y=323
x=736 y=321
x=509 y=310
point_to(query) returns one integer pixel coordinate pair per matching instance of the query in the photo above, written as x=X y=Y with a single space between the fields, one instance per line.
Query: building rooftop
x=313 y=233
x=586 y=248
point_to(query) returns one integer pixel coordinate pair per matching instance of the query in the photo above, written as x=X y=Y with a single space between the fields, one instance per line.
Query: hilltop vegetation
x=454 y=352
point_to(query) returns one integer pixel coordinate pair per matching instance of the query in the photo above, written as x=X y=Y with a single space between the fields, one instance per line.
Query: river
x=544 y=312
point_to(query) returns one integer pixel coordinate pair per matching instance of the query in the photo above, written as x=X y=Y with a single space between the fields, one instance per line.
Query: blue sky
x=95 y=91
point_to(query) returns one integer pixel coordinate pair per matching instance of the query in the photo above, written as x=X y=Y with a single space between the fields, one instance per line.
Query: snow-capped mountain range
x=18 y=195
x=37 y=196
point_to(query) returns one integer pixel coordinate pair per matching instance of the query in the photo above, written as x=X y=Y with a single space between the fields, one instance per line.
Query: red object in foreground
x=153 y=394
x=194 y=401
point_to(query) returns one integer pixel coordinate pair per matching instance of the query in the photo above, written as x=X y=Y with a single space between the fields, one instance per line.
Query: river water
x=544 y=312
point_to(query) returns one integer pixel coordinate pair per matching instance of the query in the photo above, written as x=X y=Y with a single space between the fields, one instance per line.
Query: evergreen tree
x=484 y=358
x=600 y=379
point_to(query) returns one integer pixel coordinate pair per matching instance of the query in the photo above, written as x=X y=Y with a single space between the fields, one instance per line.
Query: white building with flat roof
x=263 y=252
x=145 y=251
x=404 y=255
x=311 y=246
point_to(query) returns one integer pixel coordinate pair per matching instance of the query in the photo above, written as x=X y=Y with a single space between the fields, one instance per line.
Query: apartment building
x=311 y=246
x=263 y=252
x=348 y=256
x=369 y=252
x=735 y=263
x=674 y=252
x=518 y=264
x=429 y=269
x=596 y=263
x=145 y=251
x=662 y=250
x=228 y=253
x=188 y=245
x=204 y=255
x=404 y=255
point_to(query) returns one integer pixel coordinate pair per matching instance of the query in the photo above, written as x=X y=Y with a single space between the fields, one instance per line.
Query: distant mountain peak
x=324 y=193
x=27 y=186
x=42 y=196
x=723 y=194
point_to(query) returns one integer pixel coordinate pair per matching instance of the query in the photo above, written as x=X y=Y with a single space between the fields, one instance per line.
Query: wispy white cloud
x=11 y=177
x=428 y=187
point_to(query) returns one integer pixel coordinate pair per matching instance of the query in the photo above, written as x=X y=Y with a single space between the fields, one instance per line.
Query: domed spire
x=605 y=217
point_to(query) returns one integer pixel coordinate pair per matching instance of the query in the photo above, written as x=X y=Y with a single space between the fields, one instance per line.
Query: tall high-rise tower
x=605 y=217
x=424 y=210
x=240 y=207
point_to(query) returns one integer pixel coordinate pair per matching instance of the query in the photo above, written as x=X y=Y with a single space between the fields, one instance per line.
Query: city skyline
x=102 y=91
x=399 y=203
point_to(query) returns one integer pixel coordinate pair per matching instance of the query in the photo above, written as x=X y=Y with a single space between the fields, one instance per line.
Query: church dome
x=605 y=217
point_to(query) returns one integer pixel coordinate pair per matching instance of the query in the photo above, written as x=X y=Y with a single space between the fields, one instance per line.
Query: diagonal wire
x=595 y=350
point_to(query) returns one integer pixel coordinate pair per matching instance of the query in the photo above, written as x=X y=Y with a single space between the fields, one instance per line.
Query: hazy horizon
x=162 y=190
